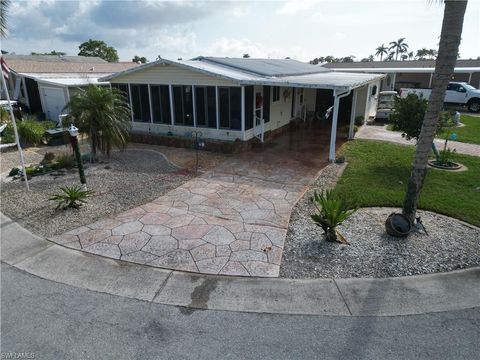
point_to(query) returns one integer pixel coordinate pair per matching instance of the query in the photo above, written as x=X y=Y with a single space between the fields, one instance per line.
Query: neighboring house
x=43 y=84
x=411 y=74
x=238 y=99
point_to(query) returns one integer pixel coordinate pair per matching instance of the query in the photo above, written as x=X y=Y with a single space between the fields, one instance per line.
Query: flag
x=5 y=69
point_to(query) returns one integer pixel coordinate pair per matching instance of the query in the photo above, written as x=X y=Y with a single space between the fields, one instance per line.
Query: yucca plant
x=332 y=211
x=71 y=197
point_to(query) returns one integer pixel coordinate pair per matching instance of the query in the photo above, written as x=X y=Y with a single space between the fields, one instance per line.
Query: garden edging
x=345 y=297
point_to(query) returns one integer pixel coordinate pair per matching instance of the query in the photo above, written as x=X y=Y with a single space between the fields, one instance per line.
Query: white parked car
x=386 y=103
x=458 y=93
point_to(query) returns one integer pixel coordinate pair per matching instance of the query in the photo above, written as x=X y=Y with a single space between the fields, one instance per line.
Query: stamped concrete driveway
x=232 y=220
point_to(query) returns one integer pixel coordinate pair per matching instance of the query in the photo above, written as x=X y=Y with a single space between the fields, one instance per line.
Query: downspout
x=333 y=134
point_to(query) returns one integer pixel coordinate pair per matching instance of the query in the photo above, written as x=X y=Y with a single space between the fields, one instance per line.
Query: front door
x=299 y=101
x=54 y=101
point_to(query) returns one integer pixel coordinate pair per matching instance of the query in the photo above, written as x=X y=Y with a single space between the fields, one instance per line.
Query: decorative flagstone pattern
x=232 y=220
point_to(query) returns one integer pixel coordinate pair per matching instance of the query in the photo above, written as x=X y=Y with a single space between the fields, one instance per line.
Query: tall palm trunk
x=444 y=68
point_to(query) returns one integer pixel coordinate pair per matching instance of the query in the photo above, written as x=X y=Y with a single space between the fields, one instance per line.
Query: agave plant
x=71 y=197
x=332 y=211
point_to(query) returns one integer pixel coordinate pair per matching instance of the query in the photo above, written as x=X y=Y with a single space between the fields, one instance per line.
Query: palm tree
x=381 y=50
x=398 y=46
x=103 y=114
x=4 y=4
x=450 y=38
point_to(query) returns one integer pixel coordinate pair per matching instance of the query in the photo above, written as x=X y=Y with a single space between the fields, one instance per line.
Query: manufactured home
x=240 y=99
x=43 y=84
x=411 y=74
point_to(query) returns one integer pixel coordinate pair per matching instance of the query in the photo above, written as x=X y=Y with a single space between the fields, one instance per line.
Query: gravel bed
x=125 y=180
x=450 y=244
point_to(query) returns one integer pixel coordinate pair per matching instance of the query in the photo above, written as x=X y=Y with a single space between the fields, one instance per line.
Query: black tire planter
x=449 y=166
x=398 y=225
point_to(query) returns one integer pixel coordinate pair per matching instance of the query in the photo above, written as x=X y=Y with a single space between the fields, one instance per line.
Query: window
x=456 y=87
x=182 y=105
x=123 y=88
x=140 y=103
x=224 y=107
x=276 y=93
x=235 y=108
x=205 y=106
x=160 y=104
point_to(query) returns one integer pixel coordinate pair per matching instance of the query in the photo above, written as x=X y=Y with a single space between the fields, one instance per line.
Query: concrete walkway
x=347 y=297
x=231 y=221
x=381 y=133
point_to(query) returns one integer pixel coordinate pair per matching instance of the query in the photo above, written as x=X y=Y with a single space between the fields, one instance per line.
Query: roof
x=67 y=79
x=63 y=64
x=406 y=70
x=265 y=67
x=408 y=64
x=299 y=74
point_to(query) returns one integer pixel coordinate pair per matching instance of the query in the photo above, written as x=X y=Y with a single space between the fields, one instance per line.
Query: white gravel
x=126 y=180
x=450 y=244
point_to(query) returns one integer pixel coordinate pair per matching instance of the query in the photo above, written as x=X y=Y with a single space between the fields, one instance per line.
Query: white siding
x=361 y=101
x=171 y=74
x=280 y=111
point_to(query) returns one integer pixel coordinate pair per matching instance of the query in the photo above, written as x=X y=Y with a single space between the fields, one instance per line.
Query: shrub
x=8 y=135
x=71 y=197
x=64 y=161
x=408 y=114
x=332 y=211
x=47 y=158
x=30 y=132
x=359 y=120
x=14 y=171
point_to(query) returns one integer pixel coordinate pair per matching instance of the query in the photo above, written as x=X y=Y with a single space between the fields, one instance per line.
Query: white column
x=351 y=132
x=130 y=98
x=172 y=115
x=150 y=103
x=333 y=134
x=217 y=102
x=194 y=107
x=470 y=78
x=394 y=79
x=430 y=82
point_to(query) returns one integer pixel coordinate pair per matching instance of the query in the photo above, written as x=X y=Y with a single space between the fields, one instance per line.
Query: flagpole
x=20 y=152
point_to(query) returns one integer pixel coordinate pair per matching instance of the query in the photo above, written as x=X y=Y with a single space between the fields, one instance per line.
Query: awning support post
x=333 y=134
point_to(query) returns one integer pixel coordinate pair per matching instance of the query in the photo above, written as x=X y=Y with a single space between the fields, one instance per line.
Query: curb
x=410 y=295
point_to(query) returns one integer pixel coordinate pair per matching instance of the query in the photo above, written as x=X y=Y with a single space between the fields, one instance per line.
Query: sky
x=302 y=29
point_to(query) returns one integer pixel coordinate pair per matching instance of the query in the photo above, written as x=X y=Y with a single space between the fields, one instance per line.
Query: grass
x=377 y=175
x=470 y=133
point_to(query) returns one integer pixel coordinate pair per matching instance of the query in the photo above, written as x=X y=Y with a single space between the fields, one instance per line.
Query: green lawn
x=377 y=175
x=470 y=133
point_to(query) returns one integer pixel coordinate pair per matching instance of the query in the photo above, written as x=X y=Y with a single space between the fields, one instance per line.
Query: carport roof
x=299 y=74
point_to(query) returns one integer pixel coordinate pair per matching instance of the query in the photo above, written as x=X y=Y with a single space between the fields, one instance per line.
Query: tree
x=347 y=59
x=138 y=59
x=103 y=114
x=450 y=37
x=53 y=52
x=4 y=4
x=98 y=48
x=246 y=56
x=398 y=47
x=381 y=50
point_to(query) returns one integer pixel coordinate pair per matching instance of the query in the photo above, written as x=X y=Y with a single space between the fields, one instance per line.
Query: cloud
x=294 y=6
